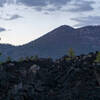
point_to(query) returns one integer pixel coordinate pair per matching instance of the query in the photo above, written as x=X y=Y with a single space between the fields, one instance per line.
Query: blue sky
x=22 y=21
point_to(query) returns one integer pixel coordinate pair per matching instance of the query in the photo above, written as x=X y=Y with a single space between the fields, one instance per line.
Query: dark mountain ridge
x=57 y=42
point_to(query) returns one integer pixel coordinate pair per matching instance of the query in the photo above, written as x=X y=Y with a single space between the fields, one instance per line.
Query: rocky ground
x=45 y=79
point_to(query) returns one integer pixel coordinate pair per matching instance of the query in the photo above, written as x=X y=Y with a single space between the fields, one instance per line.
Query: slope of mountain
x=57 y=42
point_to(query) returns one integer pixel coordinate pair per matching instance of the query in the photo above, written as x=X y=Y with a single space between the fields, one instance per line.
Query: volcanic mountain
x=57 y=42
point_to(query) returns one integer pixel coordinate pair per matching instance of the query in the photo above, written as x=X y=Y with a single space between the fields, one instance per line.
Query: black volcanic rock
x=75 y=79
x=57 y=42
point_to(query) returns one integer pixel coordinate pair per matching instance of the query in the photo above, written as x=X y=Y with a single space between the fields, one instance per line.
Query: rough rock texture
x=44 y=79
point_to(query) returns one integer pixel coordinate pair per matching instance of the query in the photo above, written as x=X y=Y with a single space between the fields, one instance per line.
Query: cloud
x=11 y=17
x=2 y=29
x=70 y=5
x=59 y=3
x=2 y=2
x=43 y=3
x=14 y=17
x=39 y=3
x=81 y=6
x=90 y=20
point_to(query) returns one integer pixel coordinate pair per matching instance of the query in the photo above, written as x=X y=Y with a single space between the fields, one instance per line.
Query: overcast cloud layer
x=77 y=5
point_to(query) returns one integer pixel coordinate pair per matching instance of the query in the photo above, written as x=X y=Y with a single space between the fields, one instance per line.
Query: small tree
x=35 y=57
x=71 y=53
x=8 y=59
x=98 y=58
x=27 y=58
x=21 y=59
x=31 y=58
x=0 y=55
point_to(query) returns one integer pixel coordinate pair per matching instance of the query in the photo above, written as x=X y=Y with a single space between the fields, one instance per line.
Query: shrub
x=35 y=57
x=71 y=53
x=27 y=58
x=0 y=55
x=8 y=59
x=98 y=58
x=21 y=59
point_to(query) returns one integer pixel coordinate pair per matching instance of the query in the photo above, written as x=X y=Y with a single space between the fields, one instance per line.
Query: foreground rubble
x=45 y=79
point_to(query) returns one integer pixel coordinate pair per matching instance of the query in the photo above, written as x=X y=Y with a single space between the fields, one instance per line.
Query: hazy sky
x=22 y=21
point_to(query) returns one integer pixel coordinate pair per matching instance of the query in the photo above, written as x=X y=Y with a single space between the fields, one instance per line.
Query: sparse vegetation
x=0 y=55
x=21 y=59
x=27 y=58
x=8 y=59
x=31 y=58
x=35 y=57
x=68 y=58
x=71 y=53
x=98 y=58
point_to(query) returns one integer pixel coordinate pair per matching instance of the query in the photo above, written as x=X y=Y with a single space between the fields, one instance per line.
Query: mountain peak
x=66 y=27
